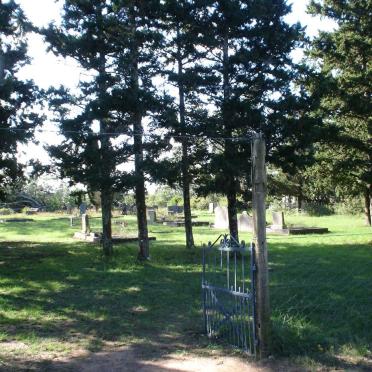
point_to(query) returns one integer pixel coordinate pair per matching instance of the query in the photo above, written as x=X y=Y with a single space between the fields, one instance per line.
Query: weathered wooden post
x=259 y=181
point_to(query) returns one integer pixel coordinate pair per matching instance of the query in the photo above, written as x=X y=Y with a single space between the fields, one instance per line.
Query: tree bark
x=185 y=158
x=299 y=197
x=106 y=201
x=140 y=190
x=367 y=205
x=231 y=190
x=232 y=210
x=105 y=167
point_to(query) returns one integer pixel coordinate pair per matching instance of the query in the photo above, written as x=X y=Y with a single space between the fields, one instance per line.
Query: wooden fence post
x=259 y=181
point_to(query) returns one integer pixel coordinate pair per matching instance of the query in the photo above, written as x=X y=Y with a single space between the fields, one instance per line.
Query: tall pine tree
x=183 y=68
x=249 y=47
x=94 y=117
x=17 y=97
x=344 y=56
x=116 y=42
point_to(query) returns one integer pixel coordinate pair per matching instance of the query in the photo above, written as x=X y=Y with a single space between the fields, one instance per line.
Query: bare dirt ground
x=161 y=353
x=153 y=356
x=146 y=359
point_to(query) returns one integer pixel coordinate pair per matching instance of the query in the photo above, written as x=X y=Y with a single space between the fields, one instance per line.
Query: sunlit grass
x=58 y=294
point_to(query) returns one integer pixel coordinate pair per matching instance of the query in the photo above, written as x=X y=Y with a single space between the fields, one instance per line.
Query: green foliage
x=17 y=98
x=54 y=194
x=352 y=206
x=73 y=298
x=5 y=211
x=164 y=196
x=317 y=209
x=344 y=87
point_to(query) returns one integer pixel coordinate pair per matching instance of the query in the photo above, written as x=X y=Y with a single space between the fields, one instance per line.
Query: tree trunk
x=186 y=199
x=229 y=149
x=299 y=198
x=105 y=167
x=367 y=205
x=140 y=190
x=106 y=201
x=232 y=210
x=185 y=158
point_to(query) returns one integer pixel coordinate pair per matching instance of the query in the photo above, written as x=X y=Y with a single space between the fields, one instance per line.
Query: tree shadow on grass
x=67 y=293
x=321 y=301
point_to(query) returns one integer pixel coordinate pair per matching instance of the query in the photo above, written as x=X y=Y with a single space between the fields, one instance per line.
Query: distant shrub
x=317 y=210
x=5 y=211
x=199 y=203
x=350 y=206
x=25 y=210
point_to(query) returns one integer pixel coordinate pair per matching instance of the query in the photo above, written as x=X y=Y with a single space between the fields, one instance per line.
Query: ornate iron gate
x=228 y=290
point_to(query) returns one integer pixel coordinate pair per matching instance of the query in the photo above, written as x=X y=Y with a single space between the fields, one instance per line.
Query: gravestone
x=85 y=229
x=245 y=222
x=278 y=221
x=212 y=207
x=221 y=219
x=151 y=216
x=82 y=208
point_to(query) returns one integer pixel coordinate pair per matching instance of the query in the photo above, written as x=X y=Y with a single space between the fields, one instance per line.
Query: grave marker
x=245 y=222
x=221 y=220
x=151 y=216
x=278 y=221
x=85 y=229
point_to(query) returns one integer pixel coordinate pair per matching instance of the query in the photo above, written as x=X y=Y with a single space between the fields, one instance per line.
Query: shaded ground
x=63 y=307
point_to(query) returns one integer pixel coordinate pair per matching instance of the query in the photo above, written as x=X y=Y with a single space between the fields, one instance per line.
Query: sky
x=48 y=70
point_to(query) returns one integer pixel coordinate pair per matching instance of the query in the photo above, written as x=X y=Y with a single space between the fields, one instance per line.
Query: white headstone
x=245 y=222
x=221 y=219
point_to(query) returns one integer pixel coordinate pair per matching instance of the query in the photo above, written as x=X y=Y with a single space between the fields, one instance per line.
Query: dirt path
x=138 y=359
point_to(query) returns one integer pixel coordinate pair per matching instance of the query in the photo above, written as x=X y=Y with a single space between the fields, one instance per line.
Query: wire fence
x=321 y=294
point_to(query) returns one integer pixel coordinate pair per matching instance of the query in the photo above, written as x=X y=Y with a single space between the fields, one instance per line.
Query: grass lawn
x=59 y=297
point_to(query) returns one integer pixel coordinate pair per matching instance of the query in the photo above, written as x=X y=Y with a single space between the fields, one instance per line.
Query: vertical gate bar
x=204 y=290
x=253 y=290
x=231 y=327
x=212 y=313
x=243 y=274
x=228 y=268
x=233 y=317
x=235 y=270
x=241 y=321
x=239 y=317
x=248 y=325
x=207 y=310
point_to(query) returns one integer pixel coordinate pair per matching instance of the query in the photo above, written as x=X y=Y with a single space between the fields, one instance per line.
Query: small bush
x=317 y=210
x=350 y=206
x=5 y=211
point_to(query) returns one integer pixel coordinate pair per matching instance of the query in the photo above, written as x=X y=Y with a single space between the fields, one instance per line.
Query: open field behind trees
x=59 y=298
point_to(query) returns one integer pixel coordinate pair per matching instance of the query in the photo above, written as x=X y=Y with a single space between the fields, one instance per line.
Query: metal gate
x=228 y=290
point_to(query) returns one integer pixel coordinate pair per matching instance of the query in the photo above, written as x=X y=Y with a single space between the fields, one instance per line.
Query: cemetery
x=185 y=186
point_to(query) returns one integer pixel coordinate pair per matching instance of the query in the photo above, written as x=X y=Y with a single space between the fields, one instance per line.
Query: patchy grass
x=59 y=296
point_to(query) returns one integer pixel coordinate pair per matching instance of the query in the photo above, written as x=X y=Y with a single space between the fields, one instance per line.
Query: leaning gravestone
x=221 y=220
x=85 y=229
x=151 y=216
x=278 y=221
x=245 y=222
